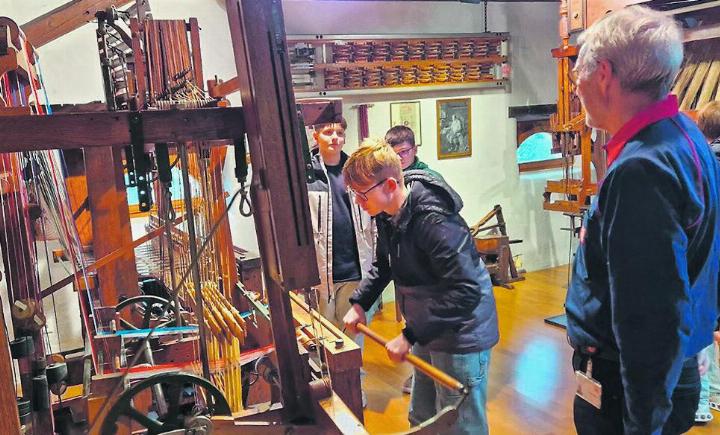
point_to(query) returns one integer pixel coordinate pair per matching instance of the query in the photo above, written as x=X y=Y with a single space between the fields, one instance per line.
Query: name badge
x=588 y=388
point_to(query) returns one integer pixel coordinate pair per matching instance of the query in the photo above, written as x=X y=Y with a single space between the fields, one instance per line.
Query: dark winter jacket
x=645 y=279
x=443 y=287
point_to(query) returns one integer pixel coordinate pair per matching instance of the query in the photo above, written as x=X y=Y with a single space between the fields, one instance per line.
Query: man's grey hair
x=643 y=46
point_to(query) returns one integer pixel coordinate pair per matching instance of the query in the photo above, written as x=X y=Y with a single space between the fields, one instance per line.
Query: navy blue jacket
x=645 y=279
x=444 y=290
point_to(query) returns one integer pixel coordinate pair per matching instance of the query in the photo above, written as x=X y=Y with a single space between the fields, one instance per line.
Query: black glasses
x=363 y=195
x=404 y=153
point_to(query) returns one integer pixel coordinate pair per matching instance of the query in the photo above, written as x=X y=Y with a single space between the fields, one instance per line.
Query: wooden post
x=279 y=192
x=9 y=419
x=110 y=222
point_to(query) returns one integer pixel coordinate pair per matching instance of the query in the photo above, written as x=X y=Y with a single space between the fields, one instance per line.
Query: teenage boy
x=343 y=232
x=402 y=141
x=444 y=290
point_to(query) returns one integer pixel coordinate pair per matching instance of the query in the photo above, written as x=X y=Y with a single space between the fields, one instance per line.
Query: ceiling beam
x=64 y=19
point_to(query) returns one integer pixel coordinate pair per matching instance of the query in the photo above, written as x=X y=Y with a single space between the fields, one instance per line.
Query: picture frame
x=454 y=128
x=407 y=113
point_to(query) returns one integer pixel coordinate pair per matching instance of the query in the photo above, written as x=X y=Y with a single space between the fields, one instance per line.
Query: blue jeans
x=428 y=398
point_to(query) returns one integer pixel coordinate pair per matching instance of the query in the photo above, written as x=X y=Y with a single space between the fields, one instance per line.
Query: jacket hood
x=427 y=194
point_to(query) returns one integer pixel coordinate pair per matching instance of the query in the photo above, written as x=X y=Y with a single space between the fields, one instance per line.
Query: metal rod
x=182 y=150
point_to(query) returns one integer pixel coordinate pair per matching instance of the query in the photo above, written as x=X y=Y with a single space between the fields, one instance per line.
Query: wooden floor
x=531 y=383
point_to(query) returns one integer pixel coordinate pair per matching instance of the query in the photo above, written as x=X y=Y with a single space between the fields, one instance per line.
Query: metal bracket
x=309 y=172
x=140 y=167
x=162 y=159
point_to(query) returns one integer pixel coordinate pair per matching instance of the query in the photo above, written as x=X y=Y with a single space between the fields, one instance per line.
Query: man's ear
x=315 y=135
x=604 y=75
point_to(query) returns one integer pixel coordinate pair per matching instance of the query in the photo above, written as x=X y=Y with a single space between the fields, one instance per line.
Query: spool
x=24 y=411
x=23 y=309
x=56 y=373
x=23 y=407
x=41 y=393
x=39 y=366
x=22 y=347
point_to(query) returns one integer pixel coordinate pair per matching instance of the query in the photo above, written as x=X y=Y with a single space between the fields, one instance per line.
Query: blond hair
x=373 y=162
x=709 y=120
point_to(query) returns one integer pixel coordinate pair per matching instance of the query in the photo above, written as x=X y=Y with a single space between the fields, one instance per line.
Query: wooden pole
x=418 y=363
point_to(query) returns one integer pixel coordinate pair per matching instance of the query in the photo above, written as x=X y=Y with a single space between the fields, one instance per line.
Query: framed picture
x=454 y=135
x=407 y=114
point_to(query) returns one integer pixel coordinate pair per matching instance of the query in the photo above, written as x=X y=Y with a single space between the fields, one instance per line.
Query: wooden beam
x=218 y=89
x=320 y=110
x=64 y=19
x=278 y=189
x=709 y=31
x=9 y=419
x=314 y=110
x=86 y=130
x=599 y=8
x=107 y=197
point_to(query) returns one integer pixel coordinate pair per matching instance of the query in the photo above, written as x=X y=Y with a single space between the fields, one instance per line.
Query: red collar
x=666 y=108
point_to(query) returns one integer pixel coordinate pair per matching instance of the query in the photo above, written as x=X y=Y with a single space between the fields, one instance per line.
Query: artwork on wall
x=454 y=135
x=407 y=114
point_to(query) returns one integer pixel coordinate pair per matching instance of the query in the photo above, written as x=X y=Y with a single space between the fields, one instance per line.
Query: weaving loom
x=696 y=84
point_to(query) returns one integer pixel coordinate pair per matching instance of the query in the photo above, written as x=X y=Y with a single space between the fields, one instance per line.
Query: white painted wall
x=489 y=177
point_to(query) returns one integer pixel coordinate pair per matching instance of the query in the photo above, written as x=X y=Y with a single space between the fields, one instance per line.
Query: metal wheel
x=149 y=307
x=182 y=408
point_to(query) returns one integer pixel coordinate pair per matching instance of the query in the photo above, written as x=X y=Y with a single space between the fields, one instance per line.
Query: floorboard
x=531 y=383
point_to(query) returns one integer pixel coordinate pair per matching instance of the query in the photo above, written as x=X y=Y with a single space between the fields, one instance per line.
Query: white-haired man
x=643 y=297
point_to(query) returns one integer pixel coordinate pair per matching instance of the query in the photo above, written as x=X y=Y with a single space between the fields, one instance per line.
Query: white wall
x=489 y=177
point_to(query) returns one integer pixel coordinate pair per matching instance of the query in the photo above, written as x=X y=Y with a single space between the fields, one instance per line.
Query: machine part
x=179 y=414
x=59 y=388
x=265 y=368
x=320 y=388
x=23 y=406
x=23 y=309
x=162 y=158
x=41 y=393
x=150 y=307
x=39 y=366
x=307 y=157
x=194 y=258
x=241 y=173
x=56 y=373
x=27 y=315
x=25 y=414
x=198 y=425
x=141 y=162
x=22 y=347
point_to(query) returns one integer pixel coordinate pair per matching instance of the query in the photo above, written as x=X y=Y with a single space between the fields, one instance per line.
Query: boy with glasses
x=443 y=288
x=402 y=141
